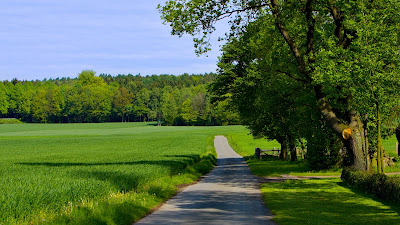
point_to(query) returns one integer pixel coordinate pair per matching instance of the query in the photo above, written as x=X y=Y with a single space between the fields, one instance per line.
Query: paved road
x=229 y=194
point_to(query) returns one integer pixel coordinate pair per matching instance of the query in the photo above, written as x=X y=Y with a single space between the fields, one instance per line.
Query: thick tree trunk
x=352 y=134
x=292 y=148
x=284 y=152
x=360 y=157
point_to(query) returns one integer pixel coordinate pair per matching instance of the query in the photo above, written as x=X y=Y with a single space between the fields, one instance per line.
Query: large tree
x=346 y=51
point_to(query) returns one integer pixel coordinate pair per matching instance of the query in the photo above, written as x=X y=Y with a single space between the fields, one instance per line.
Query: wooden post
x=258 y=152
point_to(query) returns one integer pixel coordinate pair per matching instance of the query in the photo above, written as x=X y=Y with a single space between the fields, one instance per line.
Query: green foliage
x=9 y=121
x=323 y=148
x=380 y=185
x=74 y=173
x=173 y=100
x=3 y=99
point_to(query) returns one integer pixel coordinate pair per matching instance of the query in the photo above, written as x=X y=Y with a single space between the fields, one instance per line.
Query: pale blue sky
x=59 y=38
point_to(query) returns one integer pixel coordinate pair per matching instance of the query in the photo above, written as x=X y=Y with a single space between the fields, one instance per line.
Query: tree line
x=167 y=99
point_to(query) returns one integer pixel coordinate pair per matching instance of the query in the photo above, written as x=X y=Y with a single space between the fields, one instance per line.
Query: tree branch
x=294 y=78
x=340 y=32
x=311 y=28
x=293 y=47
x=337 y=17
x=228 y=14
x=327 y=111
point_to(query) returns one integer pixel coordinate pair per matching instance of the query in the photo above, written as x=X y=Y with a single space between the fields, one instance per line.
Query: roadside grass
x=389 y=145
x=314 y=201
x=111 y=173
x=271 y=165
x=325 y=201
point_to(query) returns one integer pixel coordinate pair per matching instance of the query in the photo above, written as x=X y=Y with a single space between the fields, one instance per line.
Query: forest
x=167 y=99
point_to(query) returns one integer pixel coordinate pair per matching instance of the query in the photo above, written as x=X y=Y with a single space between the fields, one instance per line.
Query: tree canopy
x=343 y=53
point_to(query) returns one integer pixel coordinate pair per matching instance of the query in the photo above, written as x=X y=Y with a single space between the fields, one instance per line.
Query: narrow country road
x=229 y=194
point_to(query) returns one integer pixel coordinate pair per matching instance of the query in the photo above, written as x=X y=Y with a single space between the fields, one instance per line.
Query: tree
x=47 y=103
x=325 y=41
x=122 y=102
x=169 y=106
x=94 y=97
x=141 y=103
x=3 y=99
x=14 y=95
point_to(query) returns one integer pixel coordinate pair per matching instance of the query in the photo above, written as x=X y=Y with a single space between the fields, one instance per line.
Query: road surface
x=229 y=194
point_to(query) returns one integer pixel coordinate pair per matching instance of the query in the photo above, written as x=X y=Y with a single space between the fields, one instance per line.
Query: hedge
x=380 y=185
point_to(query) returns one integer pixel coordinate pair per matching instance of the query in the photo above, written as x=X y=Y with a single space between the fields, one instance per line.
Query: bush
x=323 y=151
x=380 y=185
x=9 y=121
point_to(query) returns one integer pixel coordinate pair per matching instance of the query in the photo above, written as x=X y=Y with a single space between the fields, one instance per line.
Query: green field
x=98 y=173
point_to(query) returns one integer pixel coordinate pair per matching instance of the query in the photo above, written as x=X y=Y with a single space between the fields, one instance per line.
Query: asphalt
x=229 y=194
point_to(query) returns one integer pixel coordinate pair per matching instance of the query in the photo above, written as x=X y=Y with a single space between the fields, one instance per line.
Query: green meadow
x=110 y=173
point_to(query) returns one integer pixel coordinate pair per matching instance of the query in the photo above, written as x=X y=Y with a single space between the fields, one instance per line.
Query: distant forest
x=167 y=99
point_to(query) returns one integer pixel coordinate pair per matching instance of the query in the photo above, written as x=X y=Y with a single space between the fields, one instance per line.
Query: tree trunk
x=398 y=140
x=292 y=148
x=359 y=155
x=284 y=153
x=351 y=133
x=380 y=150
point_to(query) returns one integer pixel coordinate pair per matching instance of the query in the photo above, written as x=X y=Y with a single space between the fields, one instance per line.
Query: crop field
x=98 y=173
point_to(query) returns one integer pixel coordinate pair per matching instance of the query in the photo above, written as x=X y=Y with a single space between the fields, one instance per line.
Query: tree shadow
x=272 y=166
x=123 y=180
x=184 y=160
x=170 y=163
x=211 y=207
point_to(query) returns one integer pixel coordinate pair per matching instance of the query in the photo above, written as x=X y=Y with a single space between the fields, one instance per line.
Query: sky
x=60 y=38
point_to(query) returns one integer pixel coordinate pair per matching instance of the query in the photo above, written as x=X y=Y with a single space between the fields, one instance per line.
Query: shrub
x=9 y=121
x=380 y=185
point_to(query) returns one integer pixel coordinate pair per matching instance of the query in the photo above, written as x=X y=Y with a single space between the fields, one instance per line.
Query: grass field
x=110 y=173
x=315 y=201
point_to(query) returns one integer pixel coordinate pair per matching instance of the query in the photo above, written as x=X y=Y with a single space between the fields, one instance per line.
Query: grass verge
x=325 y=201
x=315 y=201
